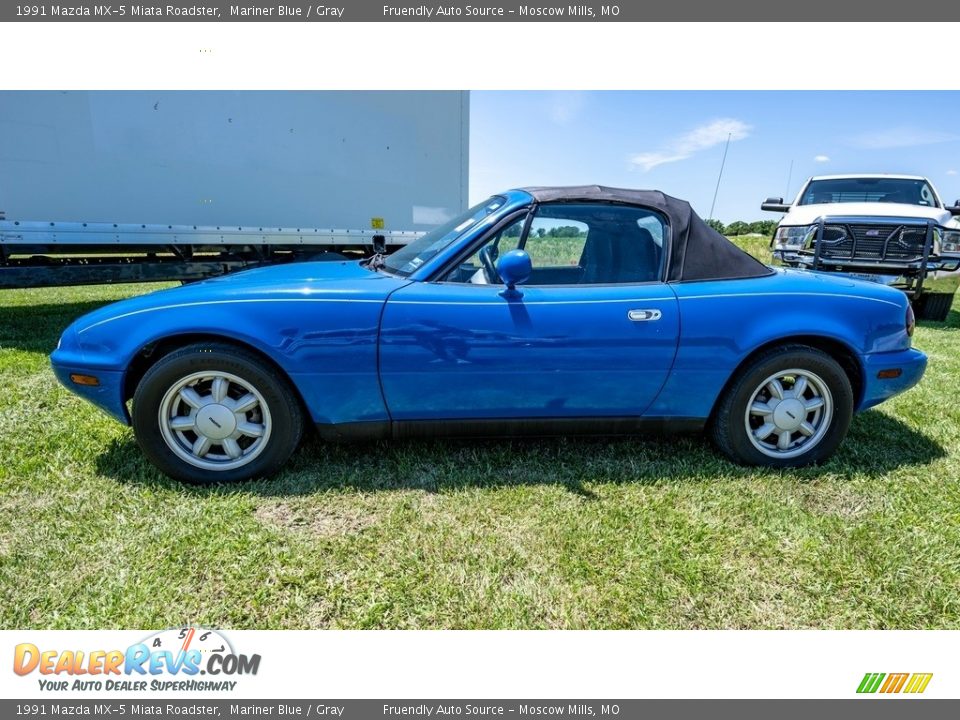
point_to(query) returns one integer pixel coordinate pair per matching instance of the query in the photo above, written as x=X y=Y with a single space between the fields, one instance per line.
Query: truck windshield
x=884 y=190
x=410 y=257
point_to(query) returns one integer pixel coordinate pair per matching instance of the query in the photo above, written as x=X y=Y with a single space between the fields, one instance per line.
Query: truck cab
x=892 y=229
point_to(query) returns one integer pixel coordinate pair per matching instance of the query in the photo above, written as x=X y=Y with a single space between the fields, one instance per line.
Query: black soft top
x=697 y=252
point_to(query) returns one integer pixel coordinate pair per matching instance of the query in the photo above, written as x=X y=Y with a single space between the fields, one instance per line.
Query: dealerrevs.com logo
x=180 y=659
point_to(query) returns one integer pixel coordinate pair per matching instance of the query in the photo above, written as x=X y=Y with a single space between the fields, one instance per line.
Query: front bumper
x=899 y=251
x=805 y=259
x=899 y=275
x=107 y=395
x=911 y=363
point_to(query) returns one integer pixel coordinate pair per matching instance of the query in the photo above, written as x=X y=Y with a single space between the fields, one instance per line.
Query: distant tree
x=513 y=230
x=716 y=225
x=738 y=227
x=541 y=232
x=763 y=227
x=564 y=231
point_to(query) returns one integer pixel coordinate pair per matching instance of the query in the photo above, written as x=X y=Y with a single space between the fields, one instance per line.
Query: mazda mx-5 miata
x=548 y=311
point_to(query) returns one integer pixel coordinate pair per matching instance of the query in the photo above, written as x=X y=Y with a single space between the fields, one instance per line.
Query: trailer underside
x=48 y=254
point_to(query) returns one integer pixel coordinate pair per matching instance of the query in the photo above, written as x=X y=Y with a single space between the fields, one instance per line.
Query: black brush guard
x=912 y=268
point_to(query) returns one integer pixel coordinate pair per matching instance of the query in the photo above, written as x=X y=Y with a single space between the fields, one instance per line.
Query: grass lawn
x=654 y=533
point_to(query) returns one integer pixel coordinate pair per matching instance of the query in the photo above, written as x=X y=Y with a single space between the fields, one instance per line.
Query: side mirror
x=774 y=204
x=955 y=210
x=514 y=268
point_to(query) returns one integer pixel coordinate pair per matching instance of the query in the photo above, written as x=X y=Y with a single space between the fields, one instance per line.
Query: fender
x=326 y=341
x=724 y=322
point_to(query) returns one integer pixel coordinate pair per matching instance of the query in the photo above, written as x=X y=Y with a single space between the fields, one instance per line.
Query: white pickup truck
x=893 y=229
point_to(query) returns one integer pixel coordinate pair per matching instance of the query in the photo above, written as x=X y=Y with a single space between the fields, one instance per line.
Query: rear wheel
x=789 y=407
x=216 y=413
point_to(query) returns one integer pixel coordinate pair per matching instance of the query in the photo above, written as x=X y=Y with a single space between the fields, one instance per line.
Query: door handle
x=644 y=315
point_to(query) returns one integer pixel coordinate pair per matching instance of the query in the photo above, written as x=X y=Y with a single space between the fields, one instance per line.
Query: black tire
x=934 y=306
x=282 y=407
x=728 y=428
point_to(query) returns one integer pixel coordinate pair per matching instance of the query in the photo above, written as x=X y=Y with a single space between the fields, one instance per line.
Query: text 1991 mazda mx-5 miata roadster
x=546 y=310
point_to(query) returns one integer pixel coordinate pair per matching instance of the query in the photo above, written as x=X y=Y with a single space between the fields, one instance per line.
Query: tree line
x=739 y=227
x=561 y=231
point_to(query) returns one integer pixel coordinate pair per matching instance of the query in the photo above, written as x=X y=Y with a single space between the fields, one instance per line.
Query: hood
x=346 y=280
x=294 y=272
x=808 y=214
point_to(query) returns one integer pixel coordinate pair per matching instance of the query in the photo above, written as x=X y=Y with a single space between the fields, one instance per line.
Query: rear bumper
x=911 y=364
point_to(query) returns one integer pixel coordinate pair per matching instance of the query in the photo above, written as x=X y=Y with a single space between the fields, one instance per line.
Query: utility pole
x=786 y=195
x=722 y=163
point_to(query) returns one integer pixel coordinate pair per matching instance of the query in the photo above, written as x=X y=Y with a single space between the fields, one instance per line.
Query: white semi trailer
x=119 y=186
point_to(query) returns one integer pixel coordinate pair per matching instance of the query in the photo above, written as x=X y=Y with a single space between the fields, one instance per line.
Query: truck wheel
x=215 y=413
x=934 y=306
x=789 y=407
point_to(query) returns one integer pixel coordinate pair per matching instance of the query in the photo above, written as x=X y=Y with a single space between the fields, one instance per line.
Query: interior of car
x=583 y=244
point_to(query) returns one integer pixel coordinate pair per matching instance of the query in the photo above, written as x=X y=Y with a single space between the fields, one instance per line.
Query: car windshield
x=884 y=190
x=410 y=257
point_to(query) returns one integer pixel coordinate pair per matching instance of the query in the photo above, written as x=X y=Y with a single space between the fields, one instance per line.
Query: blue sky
x=673 y=141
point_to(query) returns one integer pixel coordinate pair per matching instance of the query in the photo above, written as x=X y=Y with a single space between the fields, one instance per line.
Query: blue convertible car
x=580 y=310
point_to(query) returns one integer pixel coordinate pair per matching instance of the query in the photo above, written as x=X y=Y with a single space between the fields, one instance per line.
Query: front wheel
x=789 y=407
x=215 y=413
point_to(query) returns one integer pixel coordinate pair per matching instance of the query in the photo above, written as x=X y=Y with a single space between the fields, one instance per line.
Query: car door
x=592 y=334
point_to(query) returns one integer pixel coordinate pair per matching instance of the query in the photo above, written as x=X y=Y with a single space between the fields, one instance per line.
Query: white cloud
x=648 y=161
x=902 y=137
x=700 y=138
x=951 y=172
x=822 y=159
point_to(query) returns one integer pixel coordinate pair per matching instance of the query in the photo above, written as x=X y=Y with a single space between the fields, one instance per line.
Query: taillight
x=911 y=320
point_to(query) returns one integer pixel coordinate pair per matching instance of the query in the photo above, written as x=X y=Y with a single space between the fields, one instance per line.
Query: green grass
x=756 y=245
x=655 y=533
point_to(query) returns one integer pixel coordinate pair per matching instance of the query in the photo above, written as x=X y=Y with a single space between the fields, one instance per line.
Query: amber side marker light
x=84 y=379
x=890 y=374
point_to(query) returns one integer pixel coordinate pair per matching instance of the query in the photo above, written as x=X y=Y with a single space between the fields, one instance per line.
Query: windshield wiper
x=377 y=261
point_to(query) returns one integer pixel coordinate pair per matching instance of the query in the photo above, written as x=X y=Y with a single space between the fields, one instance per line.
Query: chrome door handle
x=644 y=315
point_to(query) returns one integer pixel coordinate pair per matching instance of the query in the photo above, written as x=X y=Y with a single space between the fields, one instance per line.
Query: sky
x=674 y=141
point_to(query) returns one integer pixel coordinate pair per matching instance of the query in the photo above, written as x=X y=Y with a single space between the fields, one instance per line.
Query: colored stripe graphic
x=894 y=683
x=870 y=682
x=918 y=682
